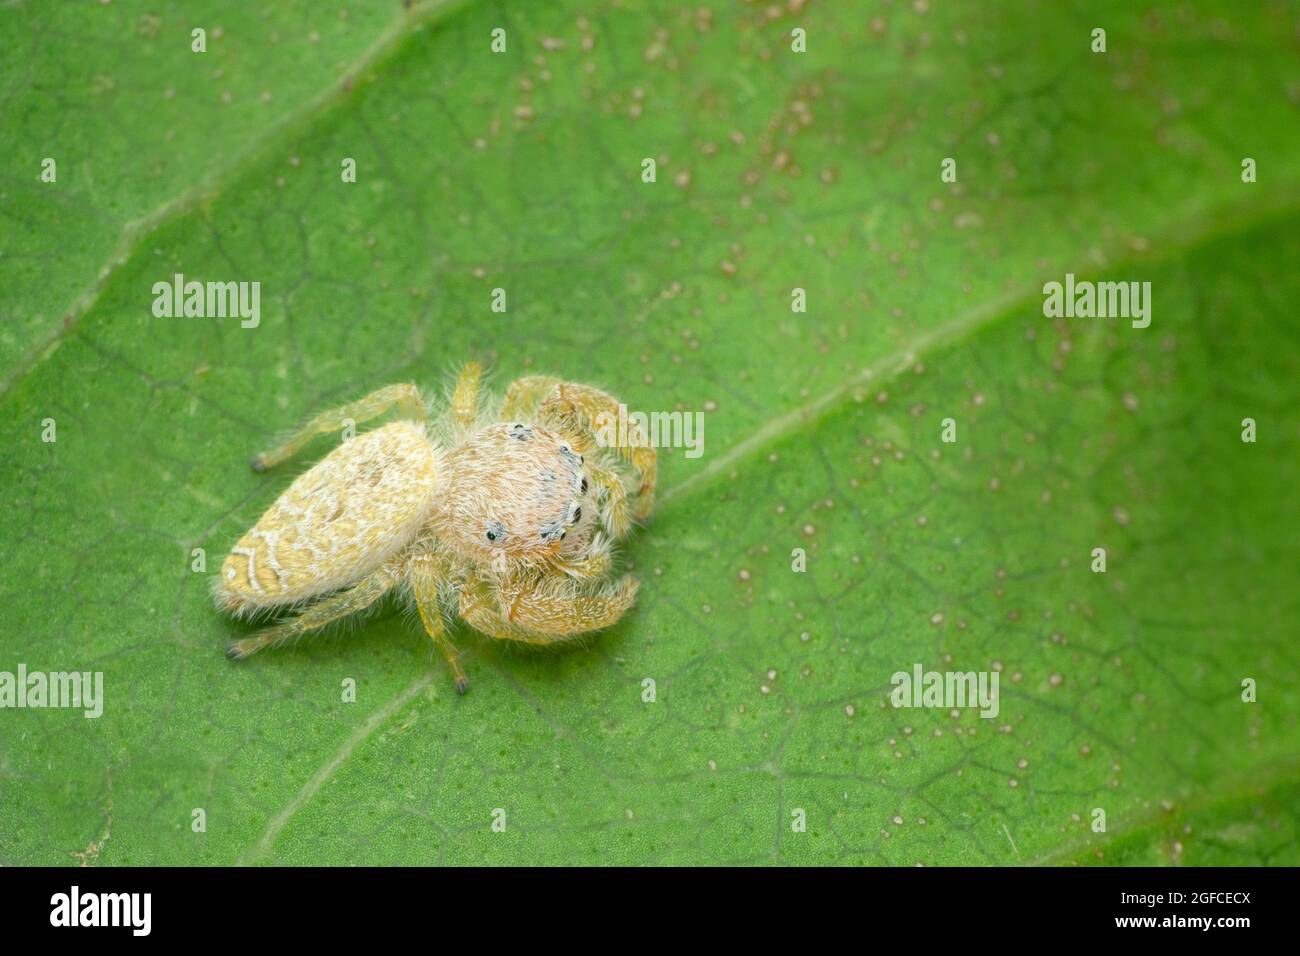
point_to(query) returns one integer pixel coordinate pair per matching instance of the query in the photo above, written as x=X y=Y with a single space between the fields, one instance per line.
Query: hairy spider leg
x=523 y=395
x=582 y=407
x=423 y=576
x=407 y=397
x=331 y=609
x=543 y=606
x=464 y=400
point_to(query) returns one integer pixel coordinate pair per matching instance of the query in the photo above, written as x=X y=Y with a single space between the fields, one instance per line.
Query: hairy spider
x=504 y=516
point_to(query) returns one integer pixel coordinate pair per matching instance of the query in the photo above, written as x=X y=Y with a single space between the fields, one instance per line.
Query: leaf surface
x=775 y=171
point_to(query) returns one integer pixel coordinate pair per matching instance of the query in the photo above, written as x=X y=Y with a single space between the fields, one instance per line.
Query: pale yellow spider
x=504 y=516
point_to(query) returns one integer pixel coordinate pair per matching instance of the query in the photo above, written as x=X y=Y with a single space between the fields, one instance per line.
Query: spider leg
x=331 y=609
x=364 y=409
x=593 y=561
x=464 y=400
x=550 y=605
x=524 y=394
x=481 y=611
x=615 y=513
x=424 y=579
x=585 y=409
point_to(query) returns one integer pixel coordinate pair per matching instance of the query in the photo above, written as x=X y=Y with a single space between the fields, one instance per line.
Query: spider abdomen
x=338 y=521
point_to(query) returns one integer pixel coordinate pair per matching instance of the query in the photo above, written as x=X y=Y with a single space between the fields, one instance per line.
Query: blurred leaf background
x=776 y=170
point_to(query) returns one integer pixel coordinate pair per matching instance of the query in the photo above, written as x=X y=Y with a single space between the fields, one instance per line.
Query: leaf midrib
x=1265 y=778
x=1242 y=219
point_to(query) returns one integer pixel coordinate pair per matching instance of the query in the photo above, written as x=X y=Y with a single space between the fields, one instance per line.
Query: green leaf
x=1120 y=691
x=142 y=130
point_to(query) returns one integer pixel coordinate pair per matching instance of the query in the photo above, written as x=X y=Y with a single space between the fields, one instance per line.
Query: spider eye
x=577 y=515
x=495 y=531
x=584 y=485
x=563 y=535
x=491 y=535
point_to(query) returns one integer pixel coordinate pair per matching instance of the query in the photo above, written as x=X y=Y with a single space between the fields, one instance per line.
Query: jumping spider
x=503 y=516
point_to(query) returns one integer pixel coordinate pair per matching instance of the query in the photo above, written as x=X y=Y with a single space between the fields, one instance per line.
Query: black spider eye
x=584 y=485
x=577 y=515
x=563 y=535
x=491 y=535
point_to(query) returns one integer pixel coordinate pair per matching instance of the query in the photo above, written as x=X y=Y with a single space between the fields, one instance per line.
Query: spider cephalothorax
x=508 y=518
x=515 y=491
